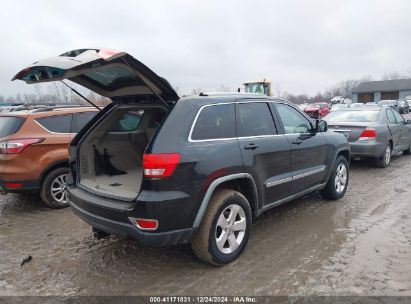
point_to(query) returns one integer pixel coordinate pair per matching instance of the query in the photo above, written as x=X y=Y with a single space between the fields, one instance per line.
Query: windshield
x=255 y=88
x=352 y=116
x=10 y=125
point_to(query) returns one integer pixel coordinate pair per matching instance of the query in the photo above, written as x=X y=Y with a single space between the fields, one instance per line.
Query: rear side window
x=215 y=122
x=56 y=124
x=10 y=125
x=80 y=120
x=391 y=117
x=254 y=119
x=398 y=117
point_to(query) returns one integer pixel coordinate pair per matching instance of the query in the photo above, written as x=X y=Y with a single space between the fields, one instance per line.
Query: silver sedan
x=373 y=132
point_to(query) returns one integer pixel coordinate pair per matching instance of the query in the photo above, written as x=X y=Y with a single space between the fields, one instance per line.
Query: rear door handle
x=250 y=146
x=297 y=142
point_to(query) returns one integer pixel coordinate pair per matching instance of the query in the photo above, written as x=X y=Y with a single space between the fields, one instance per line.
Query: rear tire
x=53 y=190
x=407 y=151
x=338 y=181
x=225 y=228
x=384 y=160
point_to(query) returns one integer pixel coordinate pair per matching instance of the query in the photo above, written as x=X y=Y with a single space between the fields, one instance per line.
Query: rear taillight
x=160 y=165
x=368 y=134
x=17 y=145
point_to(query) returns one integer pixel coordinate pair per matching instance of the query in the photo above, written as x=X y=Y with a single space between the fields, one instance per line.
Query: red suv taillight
x=17 y=145
x=368 y=134
x=160 y=165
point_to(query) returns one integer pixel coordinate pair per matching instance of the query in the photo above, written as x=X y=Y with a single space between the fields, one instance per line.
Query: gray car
x=373 y=132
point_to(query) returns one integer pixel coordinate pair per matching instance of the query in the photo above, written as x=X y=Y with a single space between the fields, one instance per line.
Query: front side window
x=293 y=121
x=254 y=119
x=56 y=124
x=215 y=122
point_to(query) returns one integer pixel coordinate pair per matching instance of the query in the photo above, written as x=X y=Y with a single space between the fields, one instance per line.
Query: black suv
x=165 y=170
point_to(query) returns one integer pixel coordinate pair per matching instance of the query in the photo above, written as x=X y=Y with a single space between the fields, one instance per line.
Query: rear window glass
x=353 y=116
x=254 y=119
x=215 y=122
x=128 y=122
x=112 y=77
x=10 y=125
x=56 y=124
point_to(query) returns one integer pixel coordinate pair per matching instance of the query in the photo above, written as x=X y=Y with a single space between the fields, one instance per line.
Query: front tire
x=338 y=182
x=53 y=190
x=225 y=228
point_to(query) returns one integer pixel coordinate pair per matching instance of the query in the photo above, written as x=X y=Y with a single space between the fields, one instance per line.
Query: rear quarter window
x=10 y=125
x=215 y=122
x=56 y=124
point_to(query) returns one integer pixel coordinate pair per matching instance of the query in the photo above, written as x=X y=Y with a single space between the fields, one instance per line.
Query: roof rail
x=40 y=107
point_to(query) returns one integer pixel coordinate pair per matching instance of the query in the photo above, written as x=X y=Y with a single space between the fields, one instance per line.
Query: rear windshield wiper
x=81 y=95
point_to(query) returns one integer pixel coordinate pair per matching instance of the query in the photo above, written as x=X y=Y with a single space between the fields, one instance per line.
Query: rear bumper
x=367 y=149
x=113 y=218
x=19 y=186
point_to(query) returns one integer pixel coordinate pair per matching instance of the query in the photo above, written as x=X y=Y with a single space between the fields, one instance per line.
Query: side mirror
x=321 y=125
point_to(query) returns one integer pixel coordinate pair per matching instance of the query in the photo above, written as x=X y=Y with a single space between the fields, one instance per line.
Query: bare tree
x=392 y=76
x=196 y=91
x=37 y=89
x=59 y=92
x=224 y=88
x=277 y=90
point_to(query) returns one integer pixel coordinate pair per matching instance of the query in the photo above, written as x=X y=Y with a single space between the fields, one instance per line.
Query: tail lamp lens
x=160 y=165
x=17 y=145
x=368 y=134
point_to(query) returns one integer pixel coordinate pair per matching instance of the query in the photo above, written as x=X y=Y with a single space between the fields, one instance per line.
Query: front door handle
x=250 y=146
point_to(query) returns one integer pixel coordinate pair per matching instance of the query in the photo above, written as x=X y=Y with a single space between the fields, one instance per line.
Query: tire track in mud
x=358 y=245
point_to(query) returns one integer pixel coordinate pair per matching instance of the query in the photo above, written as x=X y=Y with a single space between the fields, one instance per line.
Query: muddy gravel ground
x=359 y=245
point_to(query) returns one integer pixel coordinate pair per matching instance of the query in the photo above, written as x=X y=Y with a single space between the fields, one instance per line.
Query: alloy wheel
x=341 y=178
x=59 y=189
x=387 y=155
x=230 y=229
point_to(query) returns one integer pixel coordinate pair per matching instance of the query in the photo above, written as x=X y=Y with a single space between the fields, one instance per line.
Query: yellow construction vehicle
x=262 y=87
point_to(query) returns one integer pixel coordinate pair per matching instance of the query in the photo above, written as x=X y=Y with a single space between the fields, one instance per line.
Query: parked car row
x=166 y=170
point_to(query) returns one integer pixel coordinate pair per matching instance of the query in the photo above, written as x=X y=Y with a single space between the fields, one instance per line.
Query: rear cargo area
x=111 y=156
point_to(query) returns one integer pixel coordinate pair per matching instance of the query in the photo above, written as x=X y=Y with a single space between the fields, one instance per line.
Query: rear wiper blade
x=81 y=95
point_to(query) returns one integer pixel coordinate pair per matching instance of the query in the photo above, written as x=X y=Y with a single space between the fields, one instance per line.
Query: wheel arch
x=53 y=166
x=241 y=182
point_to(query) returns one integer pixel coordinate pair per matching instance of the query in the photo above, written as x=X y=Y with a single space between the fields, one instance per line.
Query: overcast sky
x=301 y=46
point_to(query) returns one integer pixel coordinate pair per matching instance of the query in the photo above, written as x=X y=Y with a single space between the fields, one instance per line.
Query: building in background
x=382 y=90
